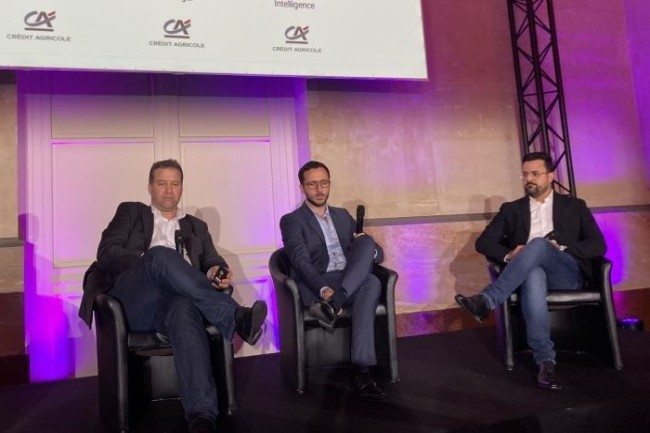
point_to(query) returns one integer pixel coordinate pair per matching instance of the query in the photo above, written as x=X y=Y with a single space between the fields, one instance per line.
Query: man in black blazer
x=332 y=266
x=547 y=240
x=161 y=264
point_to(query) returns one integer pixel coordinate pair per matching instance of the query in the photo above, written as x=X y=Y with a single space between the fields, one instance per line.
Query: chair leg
x=386 y=348
x=292 y=354
x=223 y=372
x=392 y=350
x=503 y=319
x=510 y=358
x=615 y=350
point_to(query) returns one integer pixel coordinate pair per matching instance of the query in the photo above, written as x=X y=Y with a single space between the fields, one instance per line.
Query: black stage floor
x=451 y=382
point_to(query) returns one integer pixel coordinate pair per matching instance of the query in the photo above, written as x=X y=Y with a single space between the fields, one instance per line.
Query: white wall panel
x=103 y=116
x=88 y=181
x=230 y=187
x=223 y=117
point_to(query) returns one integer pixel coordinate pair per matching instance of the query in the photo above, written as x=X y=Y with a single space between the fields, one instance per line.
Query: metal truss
x=542 y=113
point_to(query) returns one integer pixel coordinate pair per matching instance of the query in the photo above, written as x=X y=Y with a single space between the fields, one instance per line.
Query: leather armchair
x=305 y=345
x=581 y=320
x=135 y=368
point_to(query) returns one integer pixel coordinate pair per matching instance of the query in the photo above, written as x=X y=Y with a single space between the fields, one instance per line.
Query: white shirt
x=164 y=229
x=541 y=217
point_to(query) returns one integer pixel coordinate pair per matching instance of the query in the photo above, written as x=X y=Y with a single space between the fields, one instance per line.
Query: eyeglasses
x=533 y=174
x=315 y=184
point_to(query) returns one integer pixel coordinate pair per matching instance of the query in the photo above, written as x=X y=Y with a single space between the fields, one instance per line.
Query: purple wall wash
x=638 y=16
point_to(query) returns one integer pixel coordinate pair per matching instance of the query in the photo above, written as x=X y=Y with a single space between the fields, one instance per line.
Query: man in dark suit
x=332 y=266
x=547 y=240
x=171 y=285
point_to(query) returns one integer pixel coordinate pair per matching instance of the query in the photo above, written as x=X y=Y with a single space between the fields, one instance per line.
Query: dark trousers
x=363 y=290
x=166 y=294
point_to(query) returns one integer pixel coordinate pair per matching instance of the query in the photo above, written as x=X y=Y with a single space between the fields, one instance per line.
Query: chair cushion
x=157 y=344
x=147 y=340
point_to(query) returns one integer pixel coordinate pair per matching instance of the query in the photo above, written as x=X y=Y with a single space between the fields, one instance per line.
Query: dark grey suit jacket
x=127 y=237
x=573 y=223
x=305 y=245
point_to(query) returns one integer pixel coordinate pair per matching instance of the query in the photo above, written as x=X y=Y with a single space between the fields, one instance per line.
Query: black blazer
x=573 y=223
x=305 y=245
x=127 y=237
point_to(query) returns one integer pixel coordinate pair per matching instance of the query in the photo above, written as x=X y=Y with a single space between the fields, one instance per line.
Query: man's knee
x=539 y=245
x=160 y=252
x=164 y=258
x=364 y=245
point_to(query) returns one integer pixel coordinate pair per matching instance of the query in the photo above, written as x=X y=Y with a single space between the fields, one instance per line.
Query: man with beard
x=547 y=241
x=332 y=266
x=172 y=290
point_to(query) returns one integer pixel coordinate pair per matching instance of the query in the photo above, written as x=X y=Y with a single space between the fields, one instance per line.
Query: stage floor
x=450 y=382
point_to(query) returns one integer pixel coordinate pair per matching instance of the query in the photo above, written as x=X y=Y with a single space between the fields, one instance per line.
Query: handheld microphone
x=178 y=239
x=361 y=213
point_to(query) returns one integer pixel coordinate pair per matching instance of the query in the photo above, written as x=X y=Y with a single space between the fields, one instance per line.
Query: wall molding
x=487 y=216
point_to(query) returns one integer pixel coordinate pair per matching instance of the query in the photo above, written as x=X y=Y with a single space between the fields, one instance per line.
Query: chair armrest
x=601 y=271
x=388 y=279
x=286 y=289
x=112 y=354
x=288 y=295
x=109 y=317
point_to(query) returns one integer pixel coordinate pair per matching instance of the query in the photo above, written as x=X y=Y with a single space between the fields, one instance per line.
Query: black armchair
x=135 y=368
x=304 y=344
x=581 y=320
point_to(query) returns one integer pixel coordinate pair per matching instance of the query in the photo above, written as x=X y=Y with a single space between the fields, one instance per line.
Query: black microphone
x=178 y=238
x=361 y=213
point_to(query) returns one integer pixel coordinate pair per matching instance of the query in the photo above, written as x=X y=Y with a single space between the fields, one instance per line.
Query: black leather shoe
x=325 y=312
x=363 y=385
x=202 y=425
x=547 y=377
x=249 y=321
x=475 y=305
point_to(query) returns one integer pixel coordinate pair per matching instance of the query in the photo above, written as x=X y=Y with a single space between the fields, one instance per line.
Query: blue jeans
x=166 y=294
x=536 y=269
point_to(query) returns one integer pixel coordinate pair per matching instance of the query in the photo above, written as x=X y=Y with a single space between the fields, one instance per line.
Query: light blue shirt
x=337 y=259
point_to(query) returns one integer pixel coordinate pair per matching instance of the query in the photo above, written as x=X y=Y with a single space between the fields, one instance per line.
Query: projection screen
x=313 y=38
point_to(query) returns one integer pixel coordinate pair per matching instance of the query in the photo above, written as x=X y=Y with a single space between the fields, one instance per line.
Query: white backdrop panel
x=89 y=180
x=223 y=117
x=230 y=187
x=84 y=116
